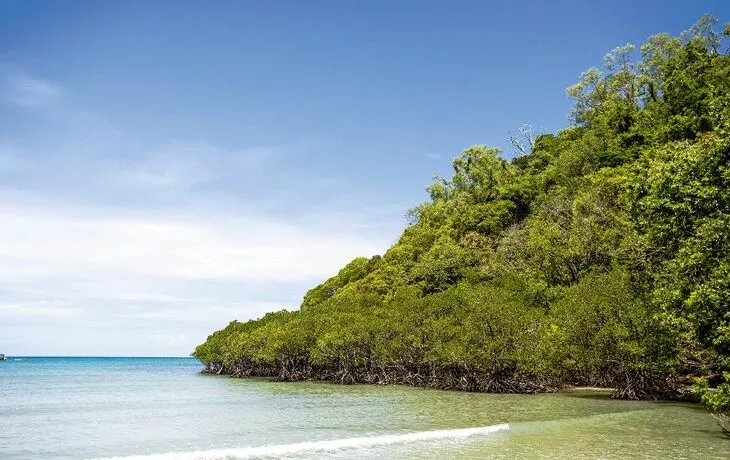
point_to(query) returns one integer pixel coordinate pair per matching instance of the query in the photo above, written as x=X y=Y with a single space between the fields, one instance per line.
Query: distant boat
x=2 y=357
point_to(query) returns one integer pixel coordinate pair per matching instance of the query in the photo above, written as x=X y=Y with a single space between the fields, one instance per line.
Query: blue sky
x=167 y=166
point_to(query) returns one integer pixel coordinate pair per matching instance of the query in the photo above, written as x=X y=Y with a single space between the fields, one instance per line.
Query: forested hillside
x=600 y=255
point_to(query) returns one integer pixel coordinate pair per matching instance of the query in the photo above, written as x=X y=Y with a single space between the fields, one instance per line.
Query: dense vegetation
x=600 y=255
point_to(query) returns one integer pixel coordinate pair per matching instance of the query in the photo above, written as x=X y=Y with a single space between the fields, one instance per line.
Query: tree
x=717 y=402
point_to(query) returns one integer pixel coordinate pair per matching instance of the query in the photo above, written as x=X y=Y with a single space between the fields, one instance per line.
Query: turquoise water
x=53 y=408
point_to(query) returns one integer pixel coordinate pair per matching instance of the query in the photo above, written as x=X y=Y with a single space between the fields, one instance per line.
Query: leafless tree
x=524 y=141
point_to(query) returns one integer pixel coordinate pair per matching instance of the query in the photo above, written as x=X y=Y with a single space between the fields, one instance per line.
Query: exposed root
x=723 y=420
x=505 y=381
x=643 y=386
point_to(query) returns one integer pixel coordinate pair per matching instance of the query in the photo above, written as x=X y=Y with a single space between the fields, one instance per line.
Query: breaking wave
x=320 y=446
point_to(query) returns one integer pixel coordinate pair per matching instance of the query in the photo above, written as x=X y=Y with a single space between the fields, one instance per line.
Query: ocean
x=163 y=408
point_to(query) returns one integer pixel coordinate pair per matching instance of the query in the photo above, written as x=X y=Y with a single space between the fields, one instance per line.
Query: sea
x=164 y=408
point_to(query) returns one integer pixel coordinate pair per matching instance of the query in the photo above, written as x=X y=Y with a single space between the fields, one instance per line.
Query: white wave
x=314 y=446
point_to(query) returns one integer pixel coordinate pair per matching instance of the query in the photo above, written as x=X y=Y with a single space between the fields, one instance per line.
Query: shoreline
x=470 y=382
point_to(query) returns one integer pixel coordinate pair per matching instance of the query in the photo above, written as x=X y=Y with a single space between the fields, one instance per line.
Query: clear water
x=52 y=408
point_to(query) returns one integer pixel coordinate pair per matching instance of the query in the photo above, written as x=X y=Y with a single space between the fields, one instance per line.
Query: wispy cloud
x=12 y=159
x=37 y=309
x=183 y=164
x=50 y=241
x=79 y=150
x=27 y=91
x=113 y=245
x=192 y=272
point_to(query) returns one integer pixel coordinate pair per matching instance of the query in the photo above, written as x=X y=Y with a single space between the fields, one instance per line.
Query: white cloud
x=112 y=247
x=38 y=308
x=48 y=240
x=179 y=275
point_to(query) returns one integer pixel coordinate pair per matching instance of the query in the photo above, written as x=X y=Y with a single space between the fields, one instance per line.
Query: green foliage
x=356 y=270
x=717 y=402
x=442 y=266
x=600 y=256
x=604 y=332
x=682 y=209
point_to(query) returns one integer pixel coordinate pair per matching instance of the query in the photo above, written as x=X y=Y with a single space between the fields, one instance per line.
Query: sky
x=167 y=166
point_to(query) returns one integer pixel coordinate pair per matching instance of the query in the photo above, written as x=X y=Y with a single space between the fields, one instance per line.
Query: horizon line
x=92 y=356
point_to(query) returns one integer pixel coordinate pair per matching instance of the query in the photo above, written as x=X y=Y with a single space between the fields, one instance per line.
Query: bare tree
x=524 y=141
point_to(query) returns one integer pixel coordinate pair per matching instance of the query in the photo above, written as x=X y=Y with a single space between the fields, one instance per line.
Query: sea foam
x=319 y=446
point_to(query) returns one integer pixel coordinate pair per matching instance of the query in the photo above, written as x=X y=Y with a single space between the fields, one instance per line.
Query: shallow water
x=55 y=408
